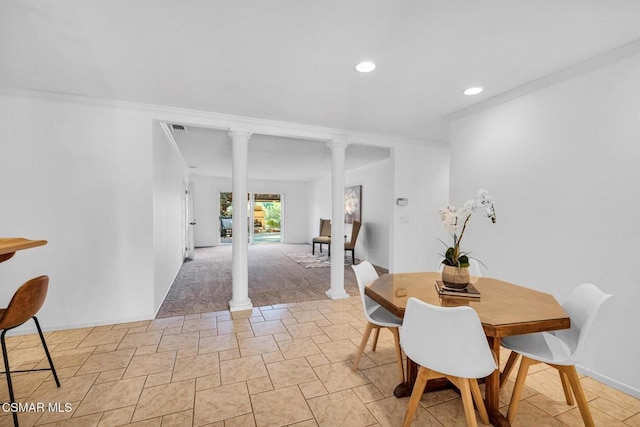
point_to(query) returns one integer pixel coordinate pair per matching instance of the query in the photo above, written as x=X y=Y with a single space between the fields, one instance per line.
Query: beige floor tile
x=390 y=411
x=69 y=335
x=103 y=337
x=67 y=358
x=290 y=372
x=60 y=411
x=572 y=418
x=71 y=390
x=257 y=345
x=221 y=403
x=180 y=419
x=242 y=369
x=339 y=376
x=209 y=381
x=154 y=422
x=176 y=341
x=451 y=413
x=300 y=347
x=548 y=383
x=341 y=317
x=282 y=313
x=385 y=378
x=150 y=364
x=165 y=399
x=158 y=379
x=259 y=385
x=229 y=354
x=547 y=405
x=531 y=416
x=280 y=407
x=84 y=421
x=241 y=421
x=385 y=352
x=23 y=385
x=268 y=328
x=276 y=356
x=167 y=322
x=367 y=393
x=199 y=324
x=117 y=417
x=613 y=395
x=300 y=330
x=236 y=325
x=196 y=366
x=333 y=409
x=313 y=389
x=633 y=421
x=106 y=361
x=113 y=395
x=611 y=408
x=337 y=351
x=342 y=331
x=112 y=375
x=24 y=358
x=308 y=316
x=140 y=339
x=217 y=343
x=507 y=390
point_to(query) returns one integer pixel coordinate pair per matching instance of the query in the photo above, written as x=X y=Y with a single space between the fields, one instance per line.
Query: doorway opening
x=264 y=214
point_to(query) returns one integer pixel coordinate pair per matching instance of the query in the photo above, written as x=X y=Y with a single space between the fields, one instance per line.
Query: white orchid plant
x=455 y=221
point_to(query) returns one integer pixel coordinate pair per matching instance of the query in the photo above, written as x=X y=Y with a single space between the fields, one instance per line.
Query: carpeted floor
x=204 y=284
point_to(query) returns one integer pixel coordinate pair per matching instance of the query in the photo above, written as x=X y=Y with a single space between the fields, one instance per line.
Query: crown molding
x=200 y=118
x=583 y=67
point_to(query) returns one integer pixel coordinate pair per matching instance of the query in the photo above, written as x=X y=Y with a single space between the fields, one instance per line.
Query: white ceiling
x=292 y=60
x=208 y=152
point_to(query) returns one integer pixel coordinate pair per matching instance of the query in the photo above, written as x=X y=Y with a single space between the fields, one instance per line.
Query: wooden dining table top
x=504 y=308
x=10 y=245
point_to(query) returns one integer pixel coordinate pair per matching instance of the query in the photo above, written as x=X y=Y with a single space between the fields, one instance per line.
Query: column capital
x=338 y=144
x=239 y=134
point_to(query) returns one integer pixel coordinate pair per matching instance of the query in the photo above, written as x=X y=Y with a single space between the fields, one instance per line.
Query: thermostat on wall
x=401 y=201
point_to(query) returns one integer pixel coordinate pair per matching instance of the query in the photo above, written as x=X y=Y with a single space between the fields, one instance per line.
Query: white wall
x=377 y=207
x=562 y=164
x=421 y=174
x=206 y=207
x=169 y=185
x=78 y=175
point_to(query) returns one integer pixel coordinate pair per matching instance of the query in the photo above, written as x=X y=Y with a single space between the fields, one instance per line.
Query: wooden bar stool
x=23 y=306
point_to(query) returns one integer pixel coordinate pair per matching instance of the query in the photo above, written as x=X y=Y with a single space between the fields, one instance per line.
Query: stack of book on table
x=469 y=291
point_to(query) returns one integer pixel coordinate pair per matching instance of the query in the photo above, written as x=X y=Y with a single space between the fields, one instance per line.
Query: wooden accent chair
x=560 y=349
x=24 y=305
x=324 y=237
x=351 y=244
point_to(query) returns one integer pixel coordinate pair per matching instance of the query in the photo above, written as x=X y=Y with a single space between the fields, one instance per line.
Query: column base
x=337 y=294
x=240 y=305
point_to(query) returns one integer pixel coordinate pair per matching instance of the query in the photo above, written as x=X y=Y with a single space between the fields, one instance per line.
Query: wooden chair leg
x=375 y=339
x=517 y=389
x=572 y=376
x=566 y=387
x=467 y=402
x=396 y=339
x=504 y=375
x=363 y=345
x=416 y=395
x=477 y=397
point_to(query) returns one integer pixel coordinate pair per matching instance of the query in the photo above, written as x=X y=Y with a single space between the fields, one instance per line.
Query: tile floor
x=286 y=364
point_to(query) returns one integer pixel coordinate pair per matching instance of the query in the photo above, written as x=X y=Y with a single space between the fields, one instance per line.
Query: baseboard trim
x=613 y=383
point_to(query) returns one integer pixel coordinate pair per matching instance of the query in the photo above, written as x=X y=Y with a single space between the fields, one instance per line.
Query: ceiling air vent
x=178 y=128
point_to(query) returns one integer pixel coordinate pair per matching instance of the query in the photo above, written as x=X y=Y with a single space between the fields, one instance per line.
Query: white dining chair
x=560 y=349
x=447 y=341
x=474 y=267
x=376 y=315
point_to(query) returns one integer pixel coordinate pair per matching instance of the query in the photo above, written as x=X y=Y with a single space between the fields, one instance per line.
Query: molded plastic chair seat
x=447 y=341
x=377 y=316
x=560 y=349
x=24 y=305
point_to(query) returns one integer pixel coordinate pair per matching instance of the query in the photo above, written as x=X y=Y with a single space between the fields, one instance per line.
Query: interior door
x=190 y=223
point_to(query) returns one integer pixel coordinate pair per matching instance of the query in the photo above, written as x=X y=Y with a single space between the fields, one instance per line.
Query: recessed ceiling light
x=473 y=90
x=365 y=67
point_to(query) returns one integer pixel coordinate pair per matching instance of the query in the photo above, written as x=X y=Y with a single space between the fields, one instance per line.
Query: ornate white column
x=239 y=185
x=338 y=149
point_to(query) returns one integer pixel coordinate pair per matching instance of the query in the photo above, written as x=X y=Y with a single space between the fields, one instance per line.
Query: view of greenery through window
x=266 y=215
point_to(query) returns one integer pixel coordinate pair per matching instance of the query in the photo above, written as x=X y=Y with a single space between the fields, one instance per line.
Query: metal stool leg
x=9 y=384
x=46 y=350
